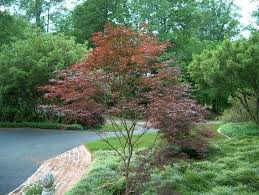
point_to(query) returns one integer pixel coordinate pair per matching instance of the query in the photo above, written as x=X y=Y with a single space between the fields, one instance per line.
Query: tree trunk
x=38 y=12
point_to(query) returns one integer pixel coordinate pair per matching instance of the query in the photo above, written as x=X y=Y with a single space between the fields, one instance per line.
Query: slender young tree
x=41 y=12
x=123 y=78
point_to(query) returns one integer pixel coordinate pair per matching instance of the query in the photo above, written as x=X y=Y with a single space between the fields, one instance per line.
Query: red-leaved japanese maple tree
x=123 y=79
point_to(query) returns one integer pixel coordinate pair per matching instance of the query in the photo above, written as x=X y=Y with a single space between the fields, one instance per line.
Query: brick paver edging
x=67 y=169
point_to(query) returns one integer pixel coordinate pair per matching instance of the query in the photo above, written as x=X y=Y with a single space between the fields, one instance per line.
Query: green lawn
x=239 y=129
x=145 y=141
x=109 y=127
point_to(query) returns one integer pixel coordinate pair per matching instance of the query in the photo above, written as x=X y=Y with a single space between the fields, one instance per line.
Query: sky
x=246 y=8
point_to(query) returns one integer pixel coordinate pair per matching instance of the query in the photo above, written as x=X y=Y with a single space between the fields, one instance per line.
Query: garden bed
x=232 y=168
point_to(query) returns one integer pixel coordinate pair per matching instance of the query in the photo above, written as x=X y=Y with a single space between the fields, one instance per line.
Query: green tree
x=191 y=25
x=205 y=71
x=219 y=20
x=6 y=2
x=42 y=13
x=92 y=15
x=165 y=17
x=11 y=27
x=26 y=64
x=230 y=70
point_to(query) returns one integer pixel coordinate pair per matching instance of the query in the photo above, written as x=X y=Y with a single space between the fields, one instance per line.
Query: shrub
x=230 y=70
x=74 y=127
x=237 y=113
x=40 y=125
x=28 y=63
x=175 y=121
x=88 y=118
x=35 y=189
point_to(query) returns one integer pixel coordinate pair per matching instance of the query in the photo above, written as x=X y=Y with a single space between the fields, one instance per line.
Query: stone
x=47 y=181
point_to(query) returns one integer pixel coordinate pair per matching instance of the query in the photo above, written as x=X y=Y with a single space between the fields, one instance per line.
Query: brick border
x=67 y=169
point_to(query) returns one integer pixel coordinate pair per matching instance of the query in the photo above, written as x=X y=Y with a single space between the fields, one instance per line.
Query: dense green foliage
x=29 y=63
x=41 y=13
x=190 y=25
x=11 y=27
x=237 y=113
x=91 y=16
x=239 y=129
x=35 y=189
x=232 y=171
x=230 y=70
x=6 y=2
x=219 y=20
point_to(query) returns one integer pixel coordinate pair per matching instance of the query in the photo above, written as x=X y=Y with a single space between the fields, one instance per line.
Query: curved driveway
x=23 y=150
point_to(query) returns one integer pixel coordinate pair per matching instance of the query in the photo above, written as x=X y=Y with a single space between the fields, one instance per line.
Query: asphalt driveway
x=23 y=150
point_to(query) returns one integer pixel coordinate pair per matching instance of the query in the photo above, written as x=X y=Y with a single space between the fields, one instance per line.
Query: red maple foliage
x=124 y=77
x=112 y=76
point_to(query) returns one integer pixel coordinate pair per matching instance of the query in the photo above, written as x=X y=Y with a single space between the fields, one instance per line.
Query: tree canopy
x=26 y=64
x=193 y=27
x=11 y=27
x=230 y=70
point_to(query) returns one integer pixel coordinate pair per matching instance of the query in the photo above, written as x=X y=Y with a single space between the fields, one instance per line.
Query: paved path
x=22 y=151
x=67 y=169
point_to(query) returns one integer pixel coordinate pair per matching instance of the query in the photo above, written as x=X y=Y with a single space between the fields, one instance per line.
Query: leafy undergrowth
x=102 y=178
x=145 y=141
x=35 y=189
x=232 y=169
x=240 y=129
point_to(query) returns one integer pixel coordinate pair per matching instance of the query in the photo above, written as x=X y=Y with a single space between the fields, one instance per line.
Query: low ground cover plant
x=35 y=189
x=231 y=169
x=240 y=129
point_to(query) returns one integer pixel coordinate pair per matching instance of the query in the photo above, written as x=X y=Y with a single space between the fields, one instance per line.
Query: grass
x=104 y=175
x=232 y=169
x=40 y=125
x=240 y=129
x=109 y=127
x=145 y=141
x=102 y=178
